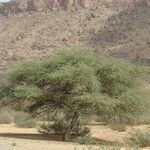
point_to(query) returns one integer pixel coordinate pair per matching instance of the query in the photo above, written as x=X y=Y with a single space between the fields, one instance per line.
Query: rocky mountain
x=16 y=6
x=126 y=35
x=33 y=28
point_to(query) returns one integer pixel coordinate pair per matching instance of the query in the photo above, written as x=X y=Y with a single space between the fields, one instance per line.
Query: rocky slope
x=126 y=35
x=34 y=34
x=16 y=6
x=31 y=35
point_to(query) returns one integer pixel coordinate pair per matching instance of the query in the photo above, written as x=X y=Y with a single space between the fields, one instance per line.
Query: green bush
x=138 y=138
x=6 y=116
x=109 y=147
x=106 y=147
x=24 y=120
x=121 y=127
x=126 y=109
x=45 y=128
x=4 y=91
x=21 y=119
x=85 y=140
x=83 y=131
x=49 y=128
x=76 y=79
x=60 y=128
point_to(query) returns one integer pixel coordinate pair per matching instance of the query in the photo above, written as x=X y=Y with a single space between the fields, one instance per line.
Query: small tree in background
x=73 y=81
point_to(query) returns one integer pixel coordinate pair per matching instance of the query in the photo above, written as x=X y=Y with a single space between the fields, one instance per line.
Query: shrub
x=6 y=116
x=126 y=109
x=85 y=140
x=21 y=119
x=109 y=147
x=60 y=128
x=138 y=138
x=76 y=79
x=24 y=120
x=49 y=128
x=83 y=131
x=45 y=128
x=4 y=91
x=105 y=147
x=118 y=126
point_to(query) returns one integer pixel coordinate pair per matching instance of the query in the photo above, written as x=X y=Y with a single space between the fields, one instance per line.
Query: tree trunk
x=73 y=122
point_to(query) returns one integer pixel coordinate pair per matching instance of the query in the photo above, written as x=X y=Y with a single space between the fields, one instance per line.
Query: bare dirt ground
x=101 y=132
x=24 y=144
x=105 y=133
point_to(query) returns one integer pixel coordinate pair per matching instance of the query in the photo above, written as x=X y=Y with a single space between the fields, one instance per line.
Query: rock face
x=123 y=33
x=16 y=6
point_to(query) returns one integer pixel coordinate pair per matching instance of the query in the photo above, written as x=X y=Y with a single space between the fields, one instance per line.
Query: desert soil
x=97 y=131
x=22 y=144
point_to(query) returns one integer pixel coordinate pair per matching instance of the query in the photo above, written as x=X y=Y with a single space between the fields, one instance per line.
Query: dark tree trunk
x=72 y=124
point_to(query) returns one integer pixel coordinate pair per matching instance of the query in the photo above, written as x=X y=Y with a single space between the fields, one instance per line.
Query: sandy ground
x=22 y=144
x=11 y=128
x=25 y=144
x=97 y=131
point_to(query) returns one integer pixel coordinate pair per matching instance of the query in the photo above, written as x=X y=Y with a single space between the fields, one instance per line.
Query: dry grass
x=138 y=138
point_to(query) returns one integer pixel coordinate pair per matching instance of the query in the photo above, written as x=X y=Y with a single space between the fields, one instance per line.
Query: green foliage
x=60 y=128
x=138 y=138
x=49 y=128
x=4 y=91
x=6 y=116
x=119 y=126
x=126 y=109
x=79 y=69
x=24 y=120
x=85 y=140
x=74 y=80
x=26 y=91
x=28 y=72
x=21 y=119
x=144 y=118
x=83 y=131
x=116 y=76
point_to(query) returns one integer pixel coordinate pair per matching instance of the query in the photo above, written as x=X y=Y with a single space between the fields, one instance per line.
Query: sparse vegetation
x=121 y=127
x=60 y=128
x=5 y=116
x=110 y=147
x=138 y=138
x=49 y=128
x=85 y=140
x=105 y=147
x=24 y=120
x=21 y=119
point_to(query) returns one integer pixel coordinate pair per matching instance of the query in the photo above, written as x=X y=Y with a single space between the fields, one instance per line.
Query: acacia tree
x=76 y=80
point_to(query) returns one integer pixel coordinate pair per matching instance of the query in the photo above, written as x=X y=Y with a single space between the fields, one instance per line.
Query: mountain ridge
x=123 y=33
x=18 y=6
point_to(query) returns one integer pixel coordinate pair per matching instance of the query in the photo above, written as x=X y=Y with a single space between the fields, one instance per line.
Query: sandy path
x=22 y=144
x=4 y=147
x=97 y=131
x=10 y=128
x=26 y=144
x=106 y=134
